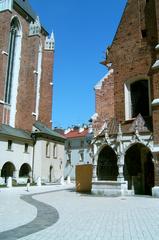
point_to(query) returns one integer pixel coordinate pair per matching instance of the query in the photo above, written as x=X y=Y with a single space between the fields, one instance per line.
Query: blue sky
x=83 y=29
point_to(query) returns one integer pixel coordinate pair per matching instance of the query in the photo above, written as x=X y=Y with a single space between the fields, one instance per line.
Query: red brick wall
x=156 y=124
x=132 y=56
x=46 y=89
x=105 y=100
x=4 y=29
x=27 y=85
x=130 y=53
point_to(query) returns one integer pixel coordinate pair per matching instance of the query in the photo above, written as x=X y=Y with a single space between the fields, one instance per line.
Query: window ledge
x=155 y=102
x=2 y=102
x=156 y=65
x=4 y=53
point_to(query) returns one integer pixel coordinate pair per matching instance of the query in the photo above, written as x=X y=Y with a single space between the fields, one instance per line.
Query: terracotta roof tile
x=76 y=134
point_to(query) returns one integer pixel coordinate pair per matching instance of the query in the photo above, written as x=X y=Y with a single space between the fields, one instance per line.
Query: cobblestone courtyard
x=55 y=212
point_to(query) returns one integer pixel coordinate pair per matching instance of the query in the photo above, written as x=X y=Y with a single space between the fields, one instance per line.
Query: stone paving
x=79 y=216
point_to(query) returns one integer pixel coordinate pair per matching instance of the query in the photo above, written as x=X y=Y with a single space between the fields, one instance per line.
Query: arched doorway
x=107 y=168
x=139 y=169
x=25 y=170
x=7 y=170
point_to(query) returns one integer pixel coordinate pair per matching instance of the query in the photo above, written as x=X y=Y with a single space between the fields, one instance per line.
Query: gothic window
x=81 y=156
x=137 y=98
x=14 y=29
x=55 y=151
x=47 y=149
x=26 y=147
x=10 y=145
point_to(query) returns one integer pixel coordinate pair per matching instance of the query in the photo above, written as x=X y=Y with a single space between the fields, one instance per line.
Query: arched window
x=13 y=67
x=47 y=149
x=137 y=98
x=55 y=150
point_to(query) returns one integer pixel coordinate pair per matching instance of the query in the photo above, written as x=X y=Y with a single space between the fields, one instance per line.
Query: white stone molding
x=155 y=102
x=35 y=72
x=2 y=102
x=157 y=47
x=33 y=114
x=4 y=53
x=155 y=65
x=127 y=93
x=99 y=84
x=50 y=42
x=38 y=81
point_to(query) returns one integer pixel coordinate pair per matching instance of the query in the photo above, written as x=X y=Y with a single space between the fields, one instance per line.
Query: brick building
x=26 y=67
x=126 y=123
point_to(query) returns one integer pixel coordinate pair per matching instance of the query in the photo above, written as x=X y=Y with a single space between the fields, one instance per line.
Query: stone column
x=94 y=162
x=120 y=164
x=95 y=171
x=155 y=189
x=9 y=182
x=39 y=182
x=16 y=174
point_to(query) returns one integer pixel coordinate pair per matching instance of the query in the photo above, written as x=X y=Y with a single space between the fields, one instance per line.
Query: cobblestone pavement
x=84 y=217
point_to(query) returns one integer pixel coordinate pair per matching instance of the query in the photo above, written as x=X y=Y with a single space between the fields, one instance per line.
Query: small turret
x=6 y=5
x=50 y=42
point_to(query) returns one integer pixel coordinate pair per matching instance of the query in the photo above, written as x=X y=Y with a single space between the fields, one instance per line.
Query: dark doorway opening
x=139 y=169
x=107 y=168
x=7 y=170
x=25 y=170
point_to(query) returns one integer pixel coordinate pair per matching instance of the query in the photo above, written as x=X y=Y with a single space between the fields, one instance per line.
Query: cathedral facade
x=126 y=122
x=26 y=73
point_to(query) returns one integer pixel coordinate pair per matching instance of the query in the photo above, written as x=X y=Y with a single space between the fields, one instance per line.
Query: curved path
x=46 y=216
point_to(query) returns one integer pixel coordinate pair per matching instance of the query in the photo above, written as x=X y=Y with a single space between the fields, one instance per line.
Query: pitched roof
x=25 y=5
x=48 y=131
x=14 y=132
x=144 y=125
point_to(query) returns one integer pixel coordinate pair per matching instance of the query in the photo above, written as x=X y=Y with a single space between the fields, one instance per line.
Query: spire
x=50 y=42
x=6 y=5
x=35 y=27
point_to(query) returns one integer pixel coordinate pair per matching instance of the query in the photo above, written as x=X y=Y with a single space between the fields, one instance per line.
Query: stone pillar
x=9 y=182
x=155 y=189
x=120 y=164
x=62 y=182
x=94 y=158
x=39 y=182
x=95 y=172
x=16 y=174
x=68 y=180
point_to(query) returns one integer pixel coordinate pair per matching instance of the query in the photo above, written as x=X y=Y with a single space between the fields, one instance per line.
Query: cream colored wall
x=42 y=163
